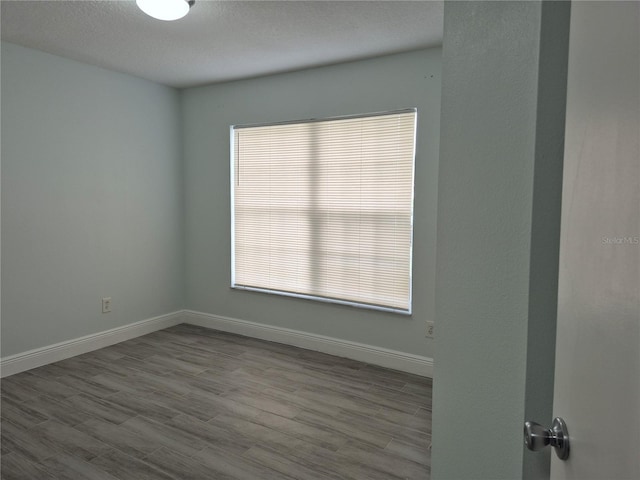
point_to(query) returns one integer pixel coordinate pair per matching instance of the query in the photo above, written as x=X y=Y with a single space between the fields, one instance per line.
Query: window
x=323 y=209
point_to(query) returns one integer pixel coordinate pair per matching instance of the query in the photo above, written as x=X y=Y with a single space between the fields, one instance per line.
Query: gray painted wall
x=387 y=83
x=504 y=88
x=91 y=199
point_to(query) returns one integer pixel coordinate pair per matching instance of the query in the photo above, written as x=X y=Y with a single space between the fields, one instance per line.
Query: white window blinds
x=323 y=209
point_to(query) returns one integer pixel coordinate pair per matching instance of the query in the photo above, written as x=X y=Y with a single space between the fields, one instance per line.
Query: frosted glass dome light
x=165 y=9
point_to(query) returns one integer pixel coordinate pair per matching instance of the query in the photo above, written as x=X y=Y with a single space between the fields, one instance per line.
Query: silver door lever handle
x=536 y=437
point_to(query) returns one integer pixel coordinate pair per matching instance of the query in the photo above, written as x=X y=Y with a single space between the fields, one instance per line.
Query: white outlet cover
x=106 y=304
x=430 y=329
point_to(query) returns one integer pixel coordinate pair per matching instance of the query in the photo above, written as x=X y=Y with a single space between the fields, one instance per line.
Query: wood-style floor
x=190 y=403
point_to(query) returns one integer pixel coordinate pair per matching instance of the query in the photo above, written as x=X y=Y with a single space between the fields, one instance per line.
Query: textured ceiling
x=221 y=40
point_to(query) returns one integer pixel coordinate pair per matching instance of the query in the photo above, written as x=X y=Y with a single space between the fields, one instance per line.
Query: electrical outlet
x=106 y=304
x=430 y=329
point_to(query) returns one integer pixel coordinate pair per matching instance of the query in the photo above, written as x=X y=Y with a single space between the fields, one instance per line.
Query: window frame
x=331 y=300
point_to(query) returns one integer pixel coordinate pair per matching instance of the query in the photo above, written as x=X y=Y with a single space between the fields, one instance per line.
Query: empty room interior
x=306 y=239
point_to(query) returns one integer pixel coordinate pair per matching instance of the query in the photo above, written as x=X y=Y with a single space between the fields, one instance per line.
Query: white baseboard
x=77 y=346
x=383 y=357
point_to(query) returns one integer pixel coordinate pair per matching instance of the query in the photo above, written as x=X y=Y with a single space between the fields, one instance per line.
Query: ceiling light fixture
x=165 y=9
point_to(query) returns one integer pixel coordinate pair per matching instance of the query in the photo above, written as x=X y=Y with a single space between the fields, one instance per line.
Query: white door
x=597 y=377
